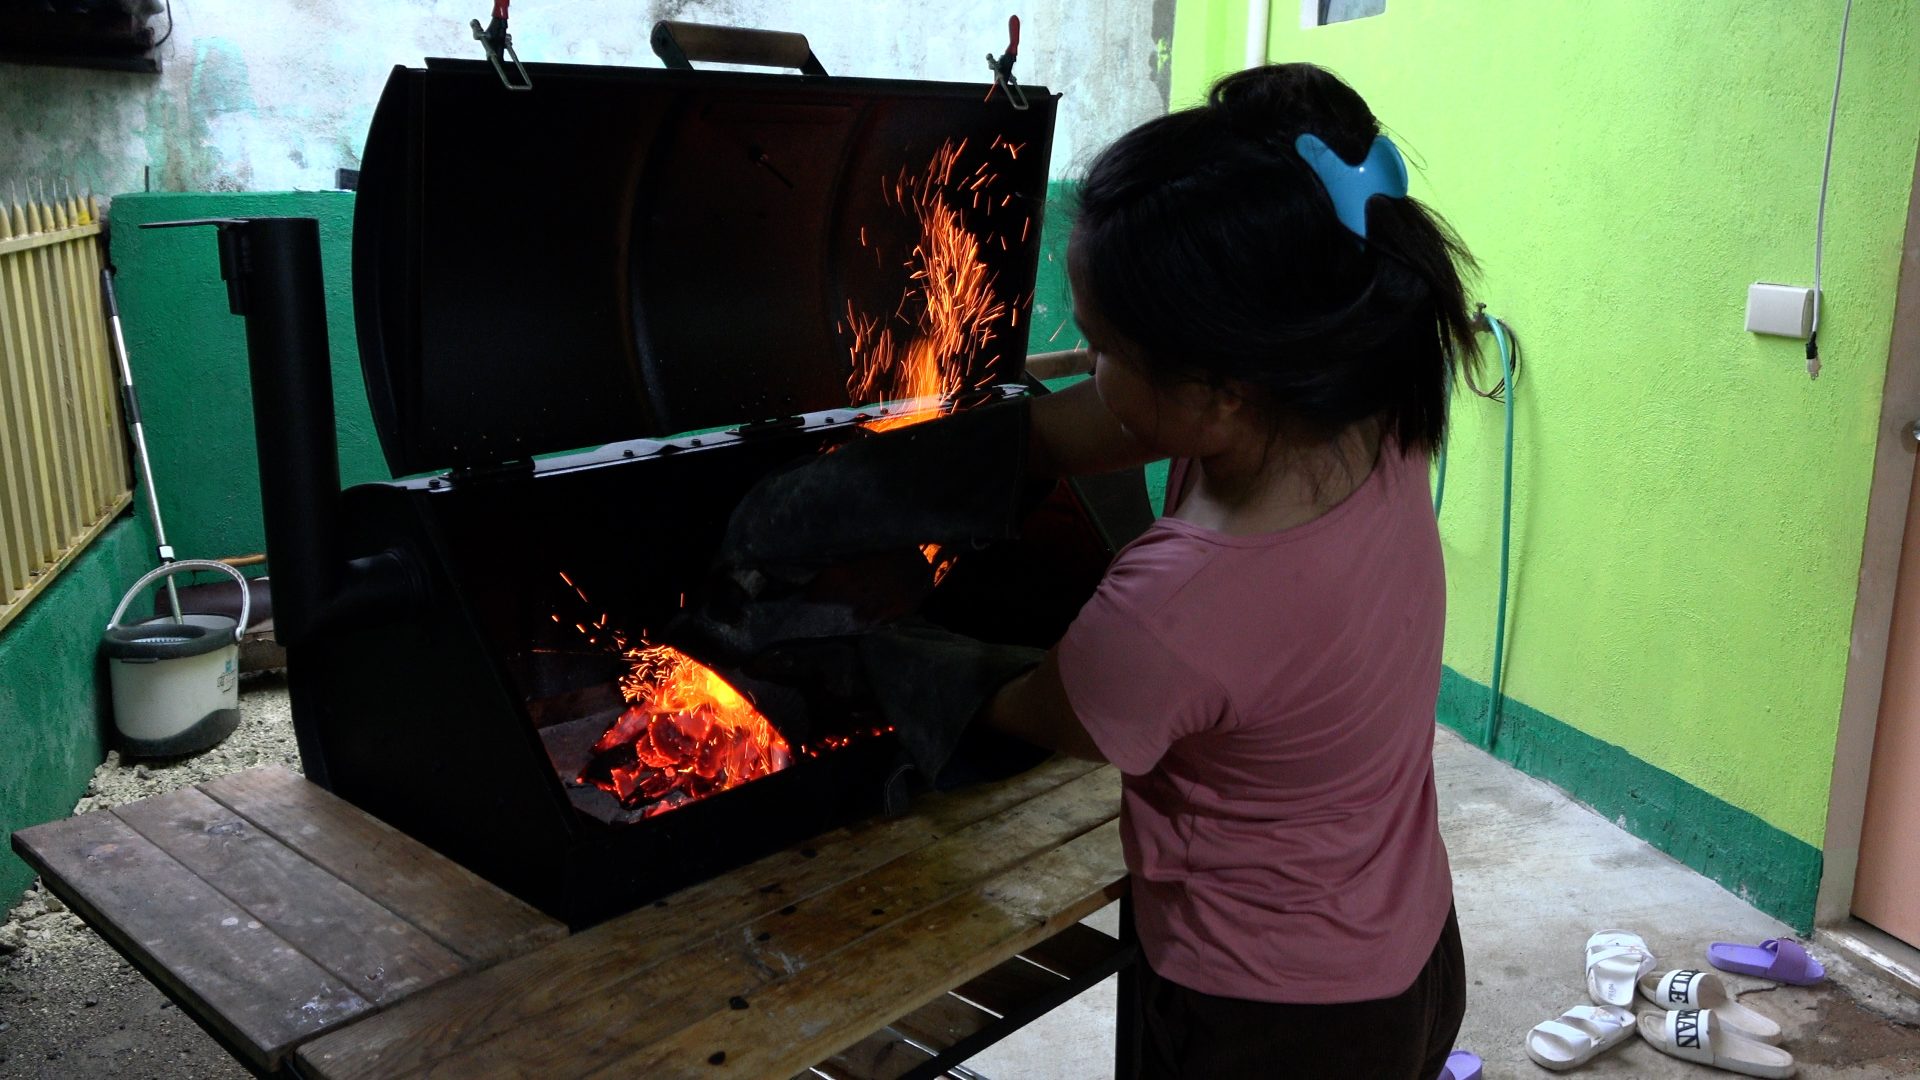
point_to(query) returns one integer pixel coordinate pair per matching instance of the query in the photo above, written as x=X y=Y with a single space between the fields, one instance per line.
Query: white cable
x=1259 y=22
x=1826 y=173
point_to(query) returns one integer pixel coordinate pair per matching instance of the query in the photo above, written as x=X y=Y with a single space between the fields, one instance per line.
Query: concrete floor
x=1534 y=874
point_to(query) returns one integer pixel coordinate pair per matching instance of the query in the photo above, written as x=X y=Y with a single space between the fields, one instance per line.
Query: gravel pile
x=69 y=1005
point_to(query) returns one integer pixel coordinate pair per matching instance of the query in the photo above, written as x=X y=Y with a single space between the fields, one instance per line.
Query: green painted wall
x=1689 y=506
x=190 y=360
x=1775 y=872
x=1051 y=327
x=53 y=688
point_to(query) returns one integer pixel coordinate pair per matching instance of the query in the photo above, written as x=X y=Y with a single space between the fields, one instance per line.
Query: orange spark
x=952 y=289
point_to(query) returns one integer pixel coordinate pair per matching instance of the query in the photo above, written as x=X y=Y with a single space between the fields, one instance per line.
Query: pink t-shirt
x=1270 y=702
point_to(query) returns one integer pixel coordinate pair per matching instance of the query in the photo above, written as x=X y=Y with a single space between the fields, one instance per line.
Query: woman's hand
x=1060 y=365
x=1075 y=435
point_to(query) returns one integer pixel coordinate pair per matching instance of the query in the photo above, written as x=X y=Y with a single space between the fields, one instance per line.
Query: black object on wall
x=113 y=35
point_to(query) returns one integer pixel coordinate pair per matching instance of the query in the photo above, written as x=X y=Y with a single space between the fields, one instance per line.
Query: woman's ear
x=1228 y=400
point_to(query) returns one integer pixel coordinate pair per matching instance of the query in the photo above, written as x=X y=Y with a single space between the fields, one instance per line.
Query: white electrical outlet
x=1786 y=310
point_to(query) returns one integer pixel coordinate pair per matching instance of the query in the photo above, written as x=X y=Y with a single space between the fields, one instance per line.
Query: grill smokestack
x=273 y=275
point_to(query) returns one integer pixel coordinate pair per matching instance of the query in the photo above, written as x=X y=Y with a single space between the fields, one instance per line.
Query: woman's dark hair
x=1207 y=241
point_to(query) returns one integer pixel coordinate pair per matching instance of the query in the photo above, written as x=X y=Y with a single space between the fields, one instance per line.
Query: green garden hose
x=1504 y=339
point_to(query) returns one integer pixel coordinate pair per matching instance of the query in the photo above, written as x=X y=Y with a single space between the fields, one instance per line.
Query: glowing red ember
x=685 y=735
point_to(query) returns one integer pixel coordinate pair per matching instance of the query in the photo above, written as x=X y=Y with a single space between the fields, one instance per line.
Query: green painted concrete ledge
x=54 y=696
x=1773 y=871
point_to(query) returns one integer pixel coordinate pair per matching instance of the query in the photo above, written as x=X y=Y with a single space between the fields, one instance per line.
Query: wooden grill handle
x=678 y=44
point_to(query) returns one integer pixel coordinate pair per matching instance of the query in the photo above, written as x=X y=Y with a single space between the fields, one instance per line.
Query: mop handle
x=131 y=404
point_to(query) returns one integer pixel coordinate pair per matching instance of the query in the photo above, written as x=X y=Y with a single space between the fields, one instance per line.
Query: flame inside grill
x=686 y=734
x=921 y=360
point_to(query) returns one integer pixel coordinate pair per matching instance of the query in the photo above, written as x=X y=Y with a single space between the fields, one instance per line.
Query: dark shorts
x=1188 y=1035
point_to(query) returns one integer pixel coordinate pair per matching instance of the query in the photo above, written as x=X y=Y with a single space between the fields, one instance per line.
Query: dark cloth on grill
x=812 y=599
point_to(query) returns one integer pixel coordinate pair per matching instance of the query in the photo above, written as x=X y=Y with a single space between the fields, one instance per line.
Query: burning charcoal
x=623 y=732
x=687 y=735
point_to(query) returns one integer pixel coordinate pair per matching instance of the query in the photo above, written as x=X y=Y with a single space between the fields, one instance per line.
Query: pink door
x=1886 y=890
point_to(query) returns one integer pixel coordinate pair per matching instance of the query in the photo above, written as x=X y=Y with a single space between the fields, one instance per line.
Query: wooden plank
x=64 y=309
x=944 y=1021
x=86 y=361
x=883 y=1055
x=1003 y=988
x=636 y=978
x=40 y=418
x=469 y=916
x=1075 y=951
x=104 y=418
x=103 y=421
x=55 y=377
x=14 y=275
x=258 y=992
x=17 y=525
x=802 y=1019
x=28 y=242
x=1017 y=991
x=47 y=574
x=122 y=469
x=381 y=955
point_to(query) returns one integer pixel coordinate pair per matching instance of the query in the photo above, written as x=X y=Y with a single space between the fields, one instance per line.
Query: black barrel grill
x=552 y=289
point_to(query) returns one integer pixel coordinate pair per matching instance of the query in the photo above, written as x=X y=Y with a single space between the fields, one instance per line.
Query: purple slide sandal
x=1780 y=959
x=1461 y=1065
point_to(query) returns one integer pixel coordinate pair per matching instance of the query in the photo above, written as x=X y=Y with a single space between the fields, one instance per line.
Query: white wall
x=276 y=94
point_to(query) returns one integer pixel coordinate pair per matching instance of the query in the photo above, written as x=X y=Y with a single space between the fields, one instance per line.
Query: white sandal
x=1578 y=1036
x=1690 y=988
x=1693 y=1035
x=1615 y=961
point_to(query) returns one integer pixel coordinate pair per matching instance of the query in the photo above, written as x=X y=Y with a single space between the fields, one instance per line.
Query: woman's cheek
x=1106 y=383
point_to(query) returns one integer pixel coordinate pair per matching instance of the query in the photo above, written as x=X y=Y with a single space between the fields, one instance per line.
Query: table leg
x=1126 y=1012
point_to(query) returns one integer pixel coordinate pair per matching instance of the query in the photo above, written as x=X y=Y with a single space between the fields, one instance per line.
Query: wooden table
x=313 y=939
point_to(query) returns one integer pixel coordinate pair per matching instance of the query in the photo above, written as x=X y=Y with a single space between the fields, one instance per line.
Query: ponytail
x=1207 y=241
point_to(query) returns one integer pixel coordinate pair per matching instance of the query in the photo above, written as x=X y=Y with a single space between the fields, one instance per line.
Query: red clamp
x=499 y=44
x=1003 y=78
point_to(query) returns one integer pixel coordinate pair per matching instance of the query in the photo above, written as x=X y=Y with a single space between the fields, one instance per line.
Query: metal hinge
x=472 y=476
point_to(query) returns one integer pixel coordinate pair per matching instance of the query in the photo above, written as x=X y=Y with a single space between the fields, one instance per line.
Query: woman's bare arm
x=1075 y=435
x=1034 y=707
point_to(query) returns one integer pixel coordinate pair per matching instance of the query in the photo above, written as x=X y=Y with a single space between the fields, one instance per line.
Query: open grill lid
x=622 y=253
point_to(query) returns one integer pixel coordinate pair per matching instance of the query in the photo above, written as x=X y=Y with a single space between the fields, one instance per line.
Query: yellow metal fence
x=63 y=462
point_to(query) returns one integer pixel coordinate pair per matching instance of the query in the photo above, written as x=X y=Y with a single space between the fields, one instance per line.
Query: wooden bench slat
x=944 y=1021
x=379 y=954
x=904 y=965
x=458 y=908
x=1003 y=988
x=607 y=991
x=260 y=993
x=883 y=1055
x=954 y=1028
x=1075 y=951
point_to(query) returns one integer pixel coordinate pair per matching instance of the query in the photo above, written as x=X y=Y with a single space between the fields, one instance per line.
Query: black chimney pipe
x=272 y=269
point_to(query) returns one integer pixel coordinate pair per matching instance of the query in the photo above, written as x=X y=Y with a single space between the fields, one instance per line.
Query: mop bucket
x=176 y=685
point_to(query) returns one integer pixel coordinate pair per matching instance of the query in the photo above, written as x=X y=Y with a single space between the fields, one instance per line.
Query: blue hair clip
x=1384 y=172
